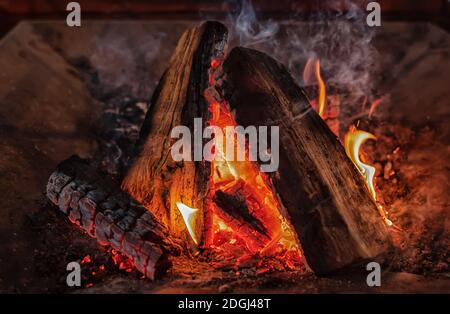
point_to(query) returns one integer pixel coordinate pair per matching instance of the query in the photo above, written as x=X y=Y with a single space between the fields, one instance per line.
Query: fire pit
x=335 y=203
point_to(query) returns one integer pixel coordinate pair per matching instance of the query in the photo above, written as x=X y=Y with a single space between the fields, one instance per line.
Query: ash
x=120 y=121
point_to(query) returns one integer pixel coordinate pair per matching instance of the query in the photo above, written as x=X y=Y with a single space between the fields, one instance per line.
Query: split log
x=154 y=178
x=336 y=220
x=96 y=203
x=235 y=206
x=233 y=210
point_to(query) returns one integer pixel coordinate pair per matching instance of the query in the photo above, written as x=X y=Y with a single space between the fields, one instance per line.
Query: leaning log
x=95 y=202
x=233 y=210
x=154 y=178
x=336 y=220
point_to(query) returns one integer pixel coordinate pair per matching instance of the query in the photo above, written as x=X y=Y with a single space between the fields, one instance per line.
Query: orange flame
x=353 y=141
x=307 y=74
x=322 y=92
x=245 y=176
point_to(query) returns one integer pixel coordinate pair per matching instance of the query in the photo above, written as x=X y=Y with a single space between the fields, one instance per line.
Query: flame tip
x=188 y=216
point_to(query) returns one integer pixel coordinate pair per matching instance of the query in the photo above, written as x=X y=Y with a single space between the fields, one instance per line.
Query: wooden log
x=336 y=220
x=235 y=206
x=233 y=210
x=154 y=178
x=95 y=203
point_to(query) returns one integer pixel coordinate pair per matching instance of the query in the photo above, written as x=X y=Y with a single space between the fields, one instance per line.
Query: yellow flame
x=188 y=214
x=353 y=141
x=322 y=92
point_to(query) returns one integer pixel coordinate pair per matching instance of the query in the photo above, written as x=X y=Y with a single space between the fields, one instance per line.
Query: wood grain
x=335 y=218
x=154 y=178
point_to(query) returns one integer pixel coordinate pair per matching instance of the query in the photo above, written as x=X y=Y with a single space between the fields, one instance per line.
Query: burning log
x=234 y=211
x=234 y=205
x=333 y=214
x=96 y=203
x=154 y=178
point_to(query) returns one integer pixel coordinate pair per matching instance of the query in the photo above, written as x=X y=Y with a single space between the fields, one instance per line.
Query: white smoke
x=124 y=59
x=339 y=37
x=247 y=28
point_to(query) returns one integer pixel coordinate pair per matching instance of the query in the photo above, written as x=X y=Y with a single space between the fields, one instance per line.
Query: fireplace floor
x=53 y=98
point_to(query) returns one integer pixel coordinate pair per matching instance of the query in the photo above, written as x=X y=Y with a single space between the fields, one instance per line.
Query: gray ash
x=120 y=120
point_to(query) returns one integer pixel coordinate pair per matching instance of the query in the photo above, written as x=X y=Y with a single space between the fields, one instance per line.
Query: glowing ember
x=244 y=177
x=188 y=215
x=122 y=261
x=353 y=141
x=86 y=260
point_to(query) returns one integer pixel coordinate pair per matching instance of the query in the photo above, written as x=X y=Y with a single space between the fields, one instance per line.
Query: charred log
x=233 y=210
x=96 y=203
x=236 y=208
x=335 y=218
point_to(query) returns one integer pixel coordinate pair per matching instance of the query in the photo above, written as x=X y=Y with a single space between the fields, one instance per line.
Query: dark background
x=12 y=11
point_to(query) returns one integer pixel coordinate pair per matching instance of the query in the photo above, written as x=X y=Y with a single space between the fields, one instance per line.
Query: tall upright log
x=334 y=216
x=154 y=178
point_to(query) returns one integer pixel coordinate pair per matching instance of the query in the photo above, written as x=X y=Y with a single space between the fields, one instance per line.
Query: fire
x=245 y=179
x=307 y=74
x=322 y=92
x=354 y=138
x=228 y=175
x=188 y=215
x=353 y=141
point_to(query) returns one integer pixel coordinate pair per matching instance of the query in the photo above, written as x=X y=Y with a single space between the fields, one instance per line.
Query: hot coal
x=96 y=203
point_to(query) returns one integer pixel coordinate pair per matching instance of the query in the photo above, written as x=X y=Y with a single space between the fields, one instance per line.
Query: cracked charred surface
x=95 y=202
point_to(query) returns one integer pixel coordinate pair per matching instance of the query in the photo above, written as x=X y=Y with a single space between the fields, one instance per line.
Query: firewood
x=236 y=207
x=154 y=179
x=233 y=210
x=336 y=219
x=96 y=203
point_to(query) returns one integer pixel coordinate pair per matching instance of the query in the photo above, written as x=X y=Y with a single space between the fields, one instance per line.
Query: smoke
x=121 y=73
x=338 y=36
x=124 y=59
x=248 y=30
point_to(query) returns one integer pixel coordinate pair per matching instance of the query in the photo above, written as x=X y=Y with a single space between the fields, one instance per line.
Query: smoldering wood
x=154 y=178
x=233 y=210
x=334 y=216
x=235 y=206
x=96 y=203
